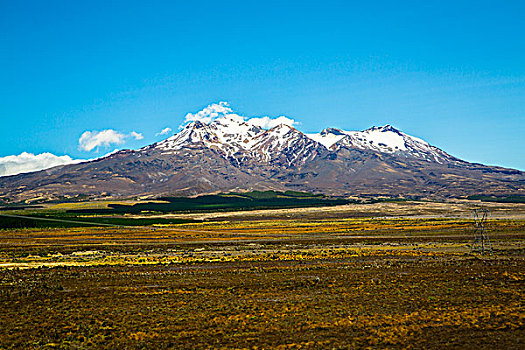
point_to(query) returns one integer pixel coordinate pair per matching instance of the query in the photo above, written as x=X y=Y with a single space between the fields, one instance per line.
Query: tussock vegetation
x=344 y=283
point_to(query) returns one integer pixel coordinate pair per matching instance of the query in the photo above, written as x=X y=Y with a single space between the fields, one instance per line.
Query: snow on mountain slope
x=229 y=134
x=384 y=139
x=285 y=143
x=218 y=150
x=328 y=137
x=237 y=138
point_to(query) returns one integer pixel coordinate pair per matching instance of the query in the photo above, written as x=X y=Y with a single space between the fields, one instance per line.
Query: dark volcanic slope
x=348 y=171
x=201 y=159
x=130 y=173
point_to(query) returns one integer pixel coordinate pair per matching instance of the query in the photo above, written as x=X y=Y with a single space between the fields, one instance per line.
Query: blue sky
x=450 y=72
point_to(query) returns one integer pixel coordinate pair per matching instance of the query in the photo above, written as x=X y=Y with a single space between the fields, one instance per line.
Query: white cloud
x=164 y=131
x=91 y=140
x=222 y=109
x=213 y=111
x=94 y=139
x=136 y=135
x=268 y=123
x=27 y=162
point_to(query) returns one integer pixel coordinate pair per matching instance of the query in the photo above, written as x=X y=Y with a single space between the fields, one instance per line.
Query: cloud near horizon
x=90 y=140
x=223 y=109
x=27 y=162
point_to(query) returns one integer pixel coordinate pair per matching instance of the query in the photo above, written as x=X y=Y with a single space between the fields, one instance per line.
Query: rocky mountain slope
x=230 y=154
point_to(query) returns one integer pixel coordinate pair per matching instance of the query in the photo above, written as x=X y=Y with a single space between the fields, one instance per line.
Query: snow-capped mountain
x=285 y=144
x=226 y=152
x=384 y=139
x=229 y=134
x=236 y=138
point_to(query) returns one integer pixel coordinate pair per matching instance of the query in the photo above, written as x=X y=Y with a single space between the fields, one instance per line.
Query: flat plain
x=387 y=275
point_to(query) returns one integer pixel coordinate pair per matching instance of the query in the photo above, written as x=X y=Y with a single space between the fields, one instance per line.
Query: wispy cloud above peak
x=223 y=110
x=268 y=123
x=211 y=112
x=164 y=131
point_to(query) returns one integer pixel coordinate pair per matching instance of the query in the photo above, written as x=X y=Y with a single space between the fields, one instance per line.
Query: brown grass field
x=397 y=276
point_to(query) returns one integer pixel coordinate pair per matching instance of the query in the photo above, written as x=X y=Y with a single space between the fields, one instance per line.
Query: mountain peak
x=283 y=128
x=197 y=124
x=218 y=150
x=332 y=131
x=235 y=136
x=385 y=128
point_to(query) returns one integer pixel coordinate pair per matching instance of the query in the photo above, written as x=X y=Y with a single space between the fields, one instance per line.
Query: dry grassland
x=290 y=279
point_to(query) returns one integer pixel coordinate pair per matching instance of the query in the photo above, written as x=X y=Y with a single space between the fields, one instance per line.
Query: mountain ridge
x=229 y=153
